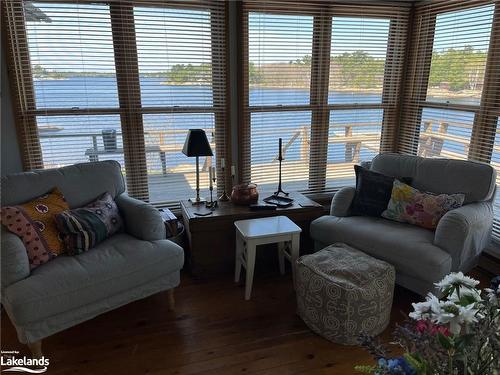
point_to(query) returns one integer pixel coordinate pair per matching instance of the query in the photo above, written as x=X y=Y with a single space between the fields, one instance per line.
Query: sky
x=79 y=37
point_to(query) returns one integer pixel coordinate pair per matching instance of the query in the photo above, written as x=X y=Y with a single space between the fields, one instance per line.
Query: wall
x=10 y=156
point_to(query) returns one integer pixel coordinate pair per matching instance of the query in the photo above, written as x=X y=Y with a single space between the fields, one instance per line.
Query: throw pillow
x=373 y=192
x=409 y=205
x=34 y=223
x=85 y=227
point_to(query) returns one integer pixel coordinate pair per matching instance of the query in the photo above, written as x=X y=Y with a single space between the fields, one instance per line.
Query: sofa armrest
x=14 y=259
x=142 y=220
x=341 y=202
x=465 y=232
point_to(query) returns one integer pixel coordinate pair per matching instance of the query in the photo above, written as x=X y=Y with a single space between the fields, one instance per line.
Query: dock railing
x=432 y=141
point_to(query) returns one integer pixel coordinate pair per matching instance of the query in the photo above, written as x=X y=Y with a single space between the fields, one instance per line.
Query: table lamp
x=197 y=145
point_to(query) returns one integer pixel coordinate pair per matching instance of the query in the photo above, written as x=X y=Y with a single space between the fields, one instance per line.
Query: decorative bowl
x=244 y=194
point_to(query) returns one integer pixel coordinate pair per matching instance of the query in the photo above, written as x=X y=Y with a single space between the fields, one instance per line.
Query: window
x=174 y=48
x=122 y=82
x=357 y=65
x=279 y=78
x=452 y=97
x=74 y=79
x=456 y=77
x=323 y=78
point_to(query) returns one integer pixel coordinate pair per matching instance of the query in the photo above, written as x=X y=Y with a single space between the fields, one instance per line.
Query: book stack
x=171 y=222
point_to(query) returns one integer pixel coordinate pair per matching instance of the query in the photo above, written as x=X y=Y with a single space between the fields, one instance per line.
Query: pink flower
x=421 y=326
x=428 y=326
x=435 y=329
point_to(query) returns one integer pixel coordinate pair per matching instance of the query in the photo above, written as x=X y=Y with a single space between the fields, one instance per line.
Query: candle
x=222 y=163
x=214 y=173
x=233 y=171
x=280 y=155
x=210 y=176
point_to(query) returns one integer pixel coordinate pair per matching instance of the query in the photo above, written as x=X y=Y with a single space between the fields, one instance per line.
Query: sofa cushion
x=34 y=223
x=408 y=248
x=83 y=228
x=475 y=180
x=116 y=265
x=410 y=205
x=373 y=192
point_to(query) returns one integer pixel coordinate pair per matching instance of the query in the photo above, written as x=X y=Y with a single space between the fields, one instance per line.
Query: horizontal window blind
x=181 y=64
x=121 y=80
x=451 y=101
x=325 y=78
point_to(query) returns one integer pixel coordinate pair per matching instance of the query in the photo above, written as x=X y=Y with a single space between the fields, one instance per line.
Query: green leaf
x=365 y=369
x=446 y=342
x=416 y=361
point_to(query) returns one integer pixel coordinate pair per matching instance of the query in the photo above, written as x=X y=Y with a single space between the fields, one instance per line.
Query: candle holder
x=212 y=204
x=280 y=159
x=224 y=197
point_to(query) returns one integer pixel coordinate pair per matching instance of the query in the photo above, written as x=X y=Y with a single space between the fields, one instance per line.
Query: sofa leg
x=171 y=299
x=36 y=348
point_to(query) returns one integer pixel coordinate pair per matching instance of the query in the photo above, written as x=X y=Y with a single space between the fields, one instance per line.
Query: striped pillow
x=83 y=228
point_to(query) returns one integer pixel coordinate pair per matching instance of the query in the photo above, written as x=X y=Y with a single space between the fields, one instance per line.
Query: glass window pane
x=461 y=42
x=75 y=139
x=354 y=136
x=175 y=56
x=357 y=62
x=72 y=58
x=280 y=49
x=294 y=128
x=171 y=174
x=445 y=133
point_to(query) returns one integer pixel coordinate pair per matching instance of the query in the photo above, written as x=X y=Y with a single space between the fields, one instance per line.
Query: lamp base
x=196 y=202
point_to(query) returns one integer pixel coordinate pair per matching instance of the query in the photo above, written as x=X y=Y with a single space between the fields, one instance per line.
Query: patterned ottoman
x=342 y=292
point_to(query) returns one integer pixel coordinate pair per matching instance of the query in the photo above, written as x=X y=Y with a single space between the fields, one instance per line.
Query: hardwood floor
x=212 y=331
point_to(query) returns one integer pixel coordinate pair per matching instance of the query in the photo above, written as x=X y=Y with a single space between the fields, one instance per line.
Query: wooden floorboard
x=212 y=331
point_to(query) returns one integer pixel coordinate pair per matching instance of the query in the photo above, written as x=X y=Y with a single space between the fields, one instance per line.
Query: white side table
x=250 y=233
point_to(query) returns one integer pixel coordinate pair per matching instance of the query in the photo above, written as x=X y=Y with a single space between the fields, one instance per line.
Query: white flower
x=473 y=295
x=421 y=311
x=426 y=310
x=468 y=314
x=456 y=316
x=455 y=279
x=493 y=296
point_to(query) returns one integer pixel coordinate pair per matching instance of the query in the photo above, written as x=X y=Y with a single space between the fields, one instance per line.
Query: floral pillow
x=409 y=205
x=34 y=223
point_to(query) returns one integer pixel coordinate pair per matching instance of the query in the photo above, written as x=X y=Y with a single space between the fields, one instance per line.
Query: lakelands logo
x=23 y=364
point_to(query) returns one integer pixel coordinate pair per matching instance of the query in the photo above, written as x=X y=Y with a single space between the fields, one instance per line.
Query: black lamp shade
x=196 y=144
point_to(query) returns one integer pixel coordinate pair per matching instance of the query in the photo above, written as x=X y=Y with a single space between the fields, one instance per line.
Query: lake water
x=85 y=92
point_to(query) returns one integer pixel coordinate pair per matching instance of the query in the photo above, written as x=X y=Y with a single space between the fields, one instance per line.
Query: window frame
x=130 y=108
x=323 y=15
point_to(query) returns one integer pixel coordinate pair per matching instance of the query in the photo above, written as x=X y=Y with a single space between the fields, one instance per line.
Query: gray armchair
x=421 y=256
x=71 y=289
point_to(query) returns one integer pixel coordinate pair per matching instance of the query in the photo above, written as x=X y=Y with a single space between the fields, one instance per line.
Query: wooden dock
x=174 y=183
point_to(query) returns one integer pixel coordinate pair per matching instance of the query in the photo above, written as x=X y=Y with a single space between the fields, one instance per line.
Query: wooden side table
x=212 y=238
x=254 y=232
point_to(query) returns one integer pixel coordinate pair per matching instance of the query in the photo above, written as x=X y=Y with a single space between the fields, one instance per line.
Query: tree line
x=452 y=69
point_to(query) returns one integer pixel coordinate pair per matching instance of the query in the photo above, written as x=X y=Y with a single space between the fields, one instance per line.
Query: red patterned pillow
x=34 y=223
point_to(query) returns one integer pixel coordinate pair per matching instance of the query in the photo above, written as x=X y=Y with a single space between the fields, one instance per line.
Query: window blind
x=121 y=80
x=325 y=78
x=451 y=100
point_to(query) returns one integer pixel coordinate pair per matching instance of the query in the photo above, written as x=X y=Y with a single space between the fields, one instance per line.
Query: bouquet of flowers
x=458 y=333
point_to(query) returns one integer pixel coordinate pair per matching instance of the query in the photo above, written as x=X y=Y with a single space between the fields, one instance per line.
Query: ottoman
x=343 y=292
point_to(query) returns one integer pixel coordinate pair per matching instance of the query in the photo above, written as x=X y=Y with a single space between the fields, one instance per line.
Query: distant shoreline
x=434 y=92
